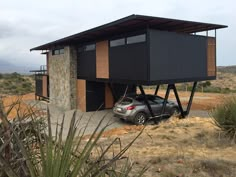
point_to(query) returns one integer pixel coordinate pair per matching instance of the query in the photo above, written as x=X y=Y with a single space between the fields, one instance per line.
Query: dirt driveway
x=202 y=103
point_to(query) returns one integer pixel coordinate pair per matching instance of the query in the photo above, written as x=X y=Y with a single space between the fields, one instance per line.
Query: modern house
x=94 y=68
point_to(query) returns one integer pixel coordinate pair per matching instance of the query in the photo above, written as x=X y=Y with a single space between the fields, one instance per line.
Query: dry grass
x=187 y=147
x=22 y=107
x=225 y=80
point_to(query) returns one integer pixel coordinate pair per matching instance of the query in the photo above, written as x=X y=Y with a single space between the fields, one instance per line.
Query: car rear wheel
x=140 y=118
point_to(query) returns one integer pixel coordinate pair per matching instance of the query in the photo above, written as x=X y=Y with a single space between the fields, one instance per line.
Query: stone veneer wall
x=62 y=78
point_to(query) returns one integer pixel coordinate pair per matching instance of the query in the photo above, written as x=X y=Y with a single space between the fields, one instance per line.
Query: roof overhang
x=133 y=23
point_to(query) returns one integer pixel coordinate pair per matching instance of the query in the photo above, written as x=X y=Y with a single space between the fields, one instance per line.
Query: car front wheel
x=140 y=118
x=175 y=112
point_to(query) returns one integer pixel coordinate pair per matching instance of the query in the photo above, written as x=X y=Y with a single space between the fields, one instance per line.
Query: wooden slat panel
x=109 y=101
x=102 y=60
x=45 y=86
x=211 y=57
x=81 y=95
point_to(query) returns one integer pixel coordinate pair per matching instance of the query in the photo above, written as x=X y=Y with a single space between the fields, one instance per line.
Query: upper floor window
x=136 y=39
x=117 y=42
x=90 y=47
x=58 y=51
x=87 y=48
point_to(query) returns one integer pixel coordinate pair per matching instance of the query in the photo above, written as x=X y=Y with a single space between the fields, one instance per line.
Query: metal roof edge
x=130 y=17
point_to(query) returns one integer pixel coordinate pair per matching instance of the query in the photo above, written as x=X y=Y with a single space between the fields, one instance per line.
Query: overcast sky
x=25 y=24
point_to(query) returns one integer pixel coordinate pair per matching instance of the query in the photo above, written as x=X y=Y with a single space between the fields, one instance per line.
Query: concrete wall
x=62 y=78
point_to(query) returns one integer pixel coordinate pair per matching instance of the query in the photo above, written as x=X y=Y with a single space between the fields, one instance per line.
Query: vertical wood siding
x=81 y=95
x=102 y=60
x=211 y=57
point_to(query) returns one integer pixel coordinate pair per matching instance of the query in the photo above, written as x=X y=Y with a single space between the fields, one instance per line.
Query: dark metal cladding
x=38 y=87
x=86 y=65
x=129 y=62
x=176 y=56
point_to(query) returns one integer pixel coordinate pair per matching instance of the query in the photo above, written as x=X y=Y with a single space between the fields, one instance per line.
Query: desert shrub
x=16 y=84
x=29 y=148
x=224 y=117
x=213 y=89
x=26 y=85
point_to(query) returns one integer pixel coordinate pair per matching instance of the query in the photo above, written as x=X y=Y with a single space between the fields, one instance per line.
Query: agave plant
x=224 y=117
x=32 y=149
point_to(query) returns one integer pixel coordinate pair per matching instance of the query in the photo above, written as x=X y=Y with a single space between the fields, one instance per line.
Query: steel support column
x=145 y=100
x=113 y=92
x=183 y=113
x=178 y=101
x=191 y=99
x=157 y=88
x=165 y=100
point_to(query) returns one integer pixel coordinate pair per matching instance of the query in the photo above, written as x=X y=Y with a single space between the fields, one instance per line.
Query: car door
x=158 y=105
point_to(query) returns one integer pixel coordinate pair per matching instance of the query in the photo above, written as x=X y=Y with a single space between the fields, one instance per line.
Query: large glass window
x=117 y=42
x=136 y=39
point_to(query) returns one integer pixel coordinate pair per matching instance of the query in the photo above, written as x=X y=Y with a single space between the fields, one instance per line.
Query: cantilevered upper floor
x=143 y=50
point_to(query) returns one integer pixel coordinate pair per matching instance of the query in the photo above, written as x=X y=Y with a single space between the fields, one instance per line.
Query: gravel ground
x=198 y=113
x=92 y=118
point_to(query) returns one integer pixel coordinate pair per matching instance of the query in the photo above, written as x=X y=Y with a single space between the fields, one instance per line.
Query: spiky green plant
x=37 y=152
x=224 y=117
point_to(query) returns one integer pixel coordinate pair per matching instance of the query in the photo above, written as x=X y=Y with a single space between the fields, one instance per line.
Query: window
x=117 y=42
x=58 y=51
x=90 y=47
x=136 y=39
x=86 y=48
x=61 y=51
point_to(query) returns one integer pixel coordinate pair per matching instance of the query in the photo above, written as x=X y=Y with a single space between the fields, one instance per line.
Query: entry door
x=95 y=96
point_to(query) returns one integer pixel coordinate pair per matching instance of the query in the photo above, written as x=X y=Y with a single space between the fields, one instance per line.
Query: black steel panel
x=95 y=95
x=176 y=56
x=39 y=87
x=48 y=89
x=128 y=62
x=86 y=65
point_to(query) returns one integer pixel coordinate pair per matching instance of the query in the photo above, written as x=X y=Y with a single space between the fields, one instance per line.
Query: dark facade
x=152 y=57
x=179 y=57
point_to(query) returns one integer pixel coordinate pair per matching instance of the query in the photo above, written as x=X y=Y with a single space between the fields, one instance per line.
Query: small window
x=61 y=51
x=58 y=51
x=90 y=47
x=117 y=42
x=136 y=39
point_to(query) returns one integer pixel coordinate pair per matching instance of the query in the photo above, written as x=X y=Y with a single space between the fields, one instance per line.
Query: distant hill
x=7 y=67
x=14 y=84
x=227 y=69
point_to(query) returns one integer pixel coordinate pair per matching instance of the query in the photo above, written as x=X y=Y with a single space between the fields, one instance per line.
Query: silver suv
x=133 y=108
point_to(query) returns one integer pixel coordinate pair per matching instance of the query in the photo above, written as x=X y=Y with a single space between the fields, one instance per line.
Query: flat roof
x=133 y=23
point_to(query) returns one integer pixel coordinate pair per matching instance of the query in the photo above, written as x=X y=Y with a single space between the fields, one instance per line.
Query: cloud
x=26 y=24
